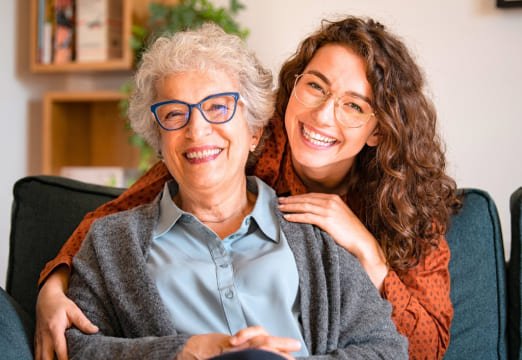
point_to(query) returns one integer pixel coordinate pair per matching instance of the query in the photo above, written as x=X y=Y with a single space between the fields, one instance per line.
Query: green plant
x=186 y=14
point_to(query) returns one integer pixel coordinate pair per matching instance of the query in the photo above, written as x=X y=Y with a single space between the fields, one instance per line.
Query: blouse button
x=229 y=294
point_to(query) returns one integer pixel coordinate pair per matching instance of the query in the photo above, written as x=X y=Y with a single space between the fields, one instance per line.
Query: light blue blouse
x=213 y=285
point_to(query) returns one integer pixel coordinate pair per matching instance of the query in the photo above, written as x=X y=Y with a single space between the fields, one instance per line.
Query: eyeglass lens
x=215 y=109
x=312 y=91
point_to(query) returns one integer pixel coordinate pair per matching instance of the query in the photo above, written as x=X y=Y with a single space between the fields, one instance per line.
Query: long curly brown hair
x=399 y=189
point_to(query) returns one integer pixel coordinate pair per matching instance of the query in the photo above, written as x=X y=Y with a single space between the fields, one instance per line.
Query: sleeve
x=89 y=291
x=422 y=309
x=143 y=191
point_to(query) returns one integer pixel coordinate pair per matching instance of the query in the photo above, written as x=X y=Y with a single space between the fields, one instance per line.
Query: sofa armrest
x=16 y=330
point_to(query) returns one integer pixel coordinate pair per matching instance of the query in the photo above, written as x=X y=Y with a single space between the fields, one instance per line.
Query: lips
x=197 y=155
x=316 y=138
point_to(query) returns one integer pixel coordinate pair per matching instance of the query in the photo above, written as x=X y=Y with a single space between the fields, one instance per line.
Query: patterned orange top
x=422 y=310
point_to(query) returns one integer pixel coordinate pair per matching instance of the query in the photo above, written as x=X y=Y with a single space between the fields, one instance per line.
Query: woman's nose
x=325 y=113
x=198 y=126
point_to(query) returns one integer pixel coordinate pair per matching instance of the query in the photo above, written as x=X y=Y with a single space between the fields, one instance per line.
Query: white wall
x=471 y=52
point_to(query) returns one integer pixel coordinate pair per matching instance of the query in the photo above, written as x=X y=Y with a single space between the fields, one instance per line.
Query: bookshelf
x=85 y=129
x=122 y=63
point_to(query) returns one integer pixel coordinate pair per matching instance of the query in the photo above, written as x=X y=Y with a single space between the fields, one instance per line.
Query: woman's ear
x=374 y=138
x=256 y=137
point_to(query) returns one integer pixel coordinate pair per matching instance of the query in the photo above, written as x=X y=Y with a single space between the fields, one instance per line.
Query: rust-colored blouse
x=422 y=310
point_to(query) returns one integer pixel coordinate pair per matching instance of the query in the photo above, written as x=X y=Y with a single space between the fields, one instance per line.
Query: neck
x=221 y=209
x=330 y=180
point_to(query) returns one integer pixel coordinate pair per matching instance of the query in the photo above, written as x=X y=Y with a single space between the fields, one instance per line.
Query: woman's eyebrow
x=349 y=92
x=320 y=75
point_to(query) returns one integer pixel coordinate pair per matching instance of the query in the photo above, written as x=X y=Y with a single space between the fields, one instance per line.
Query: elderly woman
x=210 y=265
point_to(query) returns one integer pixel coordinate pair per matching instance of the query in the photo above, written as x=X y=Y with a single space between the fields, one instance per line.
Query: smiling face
x=202 y=155
x=323 y=147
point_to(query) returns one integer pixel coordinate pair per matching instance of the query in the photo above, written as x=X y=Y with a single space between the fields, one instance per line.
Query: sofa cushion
x=514 y=323
x=45 y=212
x=16 y=335
x=477 y=269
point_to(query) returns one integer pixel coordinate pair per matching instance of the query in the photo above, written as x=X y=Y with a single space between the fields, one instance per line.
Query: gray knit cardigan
x=341 y=313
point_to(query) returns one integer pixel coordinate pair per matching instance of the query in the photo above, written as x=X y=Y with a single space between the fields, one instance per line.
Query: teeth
x=202 y=154
x=316 y=138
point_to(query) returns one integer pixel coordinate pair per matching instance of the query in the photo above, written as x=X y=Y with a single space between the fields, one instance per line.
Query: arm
x=422 y=308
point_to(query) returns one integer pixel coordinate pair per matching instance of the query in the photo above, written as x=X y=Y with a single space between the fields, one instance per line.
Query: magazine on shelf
x=98 y=33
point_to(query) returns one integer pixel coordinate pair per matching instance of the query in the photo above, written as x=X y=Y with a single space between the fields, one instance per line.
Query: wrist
x=58 y=280
x=374 y=263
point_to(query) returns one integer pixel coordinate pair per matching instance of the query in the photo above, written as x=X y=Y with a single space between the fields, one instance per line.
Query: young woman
x=354 y=150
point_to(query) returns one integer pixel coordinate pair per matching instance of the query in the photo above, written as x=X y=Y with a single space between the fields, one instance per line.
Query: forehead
x=192 y=86
x=342 y=67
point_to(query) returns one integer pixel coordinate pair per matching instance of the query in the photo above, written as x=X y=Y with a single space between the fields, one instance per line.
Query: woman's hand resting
x=209 y=345
x=55 y=313
x=331 y=214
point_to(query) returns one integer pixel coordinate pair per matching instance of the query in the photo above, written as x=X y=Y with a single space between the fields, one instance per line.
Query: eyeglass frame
x=154 y=106
x=328 y=94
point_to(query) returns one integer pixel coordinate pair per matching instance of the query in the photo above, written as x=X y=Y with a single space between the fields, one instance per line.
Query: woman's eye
x=316 y=87
x=216 y=107
x=351 y=107
x=174 y=115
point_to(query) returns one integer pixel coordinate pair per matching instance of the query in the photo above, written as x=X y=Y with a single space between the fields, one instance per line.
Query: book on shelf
x=45 y=31
x=64 y=31
x=79 y=31
x=98 y=32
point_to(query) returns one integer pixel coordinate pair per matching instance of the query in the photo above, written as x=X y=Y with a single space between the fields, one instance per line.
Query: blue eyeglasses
x=216 y=109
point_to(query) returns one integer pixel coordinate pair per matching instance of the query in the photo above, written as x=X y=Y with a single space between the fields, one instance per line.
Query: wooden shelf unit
x=85 y=129
x=119 y=64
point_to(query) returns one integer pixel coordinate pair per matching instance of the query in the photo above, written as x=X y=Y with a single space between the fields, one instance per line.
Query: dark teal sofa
x=47 y=209
x=514 y=323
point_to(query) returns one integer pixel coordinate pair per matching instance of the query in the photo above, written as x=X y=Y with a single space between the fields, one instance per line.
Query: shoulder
x=123 y=231
x=124 y=219
x=308 y=242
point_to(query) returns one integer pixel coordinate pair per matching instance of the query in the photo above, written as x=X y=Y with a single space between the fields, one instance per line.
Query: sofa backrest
x=478 y=280
x=514 y=323
x=45 y=212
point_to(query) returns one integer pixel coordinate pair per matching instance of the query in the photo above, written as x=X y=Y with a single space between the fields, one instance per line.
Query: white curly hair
x=208 y=48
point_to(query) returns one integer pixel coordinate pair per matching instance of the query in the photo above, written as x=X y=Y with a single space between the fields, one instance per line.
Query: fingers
x=44 y=346
x=279 y=345
x=77 y=318
x=312 y=203
x=258 y=338
x=55 y=312
x=311 y=197
x=60 y=347
x=244 y=335
x=274 y=343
